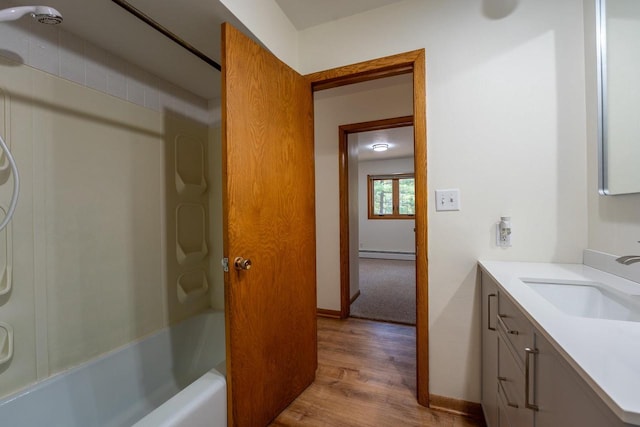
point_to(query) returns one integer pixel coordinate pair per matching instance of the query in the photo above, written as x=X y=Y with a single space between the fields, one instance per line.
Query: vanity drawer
x=517 y=329
x=511 y=384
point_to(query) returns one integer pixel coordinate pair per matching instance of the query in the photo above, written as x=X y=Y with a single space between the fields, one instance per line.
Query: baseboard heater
x=408 y=256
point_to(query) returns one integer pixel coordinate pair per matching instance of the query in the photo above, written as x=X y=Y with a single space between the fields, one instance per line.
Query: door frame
x=344 y=131
x=404 y=63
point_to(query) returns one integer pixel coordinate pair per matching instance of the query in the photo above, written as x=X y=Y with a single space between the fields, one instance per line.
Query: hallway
x=366 y=377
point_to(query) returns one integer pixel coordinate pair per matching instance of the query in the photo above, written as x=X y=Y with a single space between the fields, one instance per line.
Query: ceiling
x=105 y=24
x=308 y=13
x=400 y=142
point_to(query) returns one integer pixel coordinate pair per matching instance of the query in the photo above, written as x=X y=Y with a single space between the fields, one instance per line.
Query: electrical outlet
x=448 y=200
x=503 y=232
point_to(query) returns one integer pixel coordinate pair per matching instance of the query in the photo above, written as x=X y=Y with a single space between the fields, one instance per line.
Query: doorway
x=381 y=230
x=406 y=63
x=269 y=222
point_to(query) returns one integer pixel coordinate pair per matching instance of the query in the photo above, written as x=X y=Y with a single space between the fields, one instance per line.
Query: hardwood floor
x=366 y=377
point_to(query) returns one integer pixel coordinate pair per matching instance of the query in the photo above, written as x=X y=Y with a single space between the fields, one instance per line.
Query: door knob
x=242 y=264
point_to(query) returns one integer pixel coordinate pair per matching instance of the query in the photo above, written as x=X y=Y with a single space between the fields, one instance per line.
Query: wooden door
x=269 y=218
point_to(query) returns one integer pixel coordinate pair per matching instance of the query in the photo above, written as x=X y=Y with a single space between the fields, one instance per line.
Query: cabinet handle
x=527 y=371
x=500 y=380
x=489 y=312
x=504 y=325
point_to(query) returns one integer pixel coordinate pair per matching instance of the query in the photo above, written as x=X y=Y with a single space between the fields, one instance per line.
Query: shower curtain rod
x=156 y=26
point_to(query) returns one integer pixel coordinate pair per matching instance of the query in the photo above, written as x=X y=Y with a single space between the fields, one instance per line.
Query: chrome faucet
x=628 y=259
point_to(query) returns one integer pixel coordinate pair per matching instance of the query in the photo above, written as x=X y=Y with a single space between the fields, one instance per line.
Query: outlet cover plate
x=448 y=200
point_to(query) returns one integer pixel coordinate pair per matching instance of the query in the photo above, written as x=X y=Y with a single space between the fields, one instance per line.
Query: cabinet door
x=562 y=397
x=489 y=351
x=503 y=421
x=511 y=382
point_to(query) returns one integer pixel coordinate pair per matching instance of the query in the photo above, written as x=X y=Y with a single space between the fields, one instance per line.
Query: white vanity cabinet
x=526 y=382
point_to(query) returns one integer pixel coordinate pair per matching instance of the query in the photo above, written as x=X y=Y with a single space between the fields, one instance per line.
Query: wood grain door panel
x=269 y=217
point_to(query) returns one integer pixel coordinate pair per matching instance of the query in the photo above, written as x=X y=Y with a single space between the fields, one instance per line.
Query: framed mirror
x=618 y=59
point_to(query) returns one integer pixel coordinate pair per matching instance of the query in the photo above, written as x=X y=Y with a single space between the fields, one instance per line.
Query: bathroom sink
x=588 y=299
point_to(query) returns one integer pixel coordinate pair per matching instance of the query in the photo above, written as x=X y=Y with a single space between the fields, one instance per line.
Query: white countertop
x=606 y=353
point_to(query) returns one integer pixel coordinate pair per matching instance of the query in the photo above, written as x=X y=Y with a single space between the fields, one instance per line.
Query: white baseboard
x=607 y=263
x=406 y=256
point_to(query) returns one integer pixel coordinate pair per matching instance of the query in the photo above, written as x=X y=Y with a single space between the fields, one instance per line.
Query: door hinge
x=225 y=264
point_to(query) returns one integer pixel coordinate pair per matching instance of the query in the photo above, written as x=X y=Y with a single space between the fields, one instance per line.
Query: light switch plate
x=448 y=200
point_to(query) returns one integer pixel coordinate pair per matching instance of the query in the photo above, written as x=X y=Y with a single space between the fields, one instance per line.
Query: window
x=392 y=196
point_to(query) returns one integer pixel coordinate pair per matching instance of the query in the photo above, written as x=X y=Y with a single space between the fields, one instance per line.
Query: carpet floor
x=387 y=291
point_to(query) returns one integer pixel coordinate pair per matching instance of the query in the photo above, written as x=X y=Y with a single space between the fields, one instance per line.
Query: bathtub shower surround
x=55 y=51
x=156 y=382
x=87 y=248
x=188 y=189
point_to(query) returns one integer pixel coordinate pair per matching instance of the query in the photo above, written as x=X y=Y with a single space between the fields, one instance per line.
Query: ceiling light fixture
x=380 y=147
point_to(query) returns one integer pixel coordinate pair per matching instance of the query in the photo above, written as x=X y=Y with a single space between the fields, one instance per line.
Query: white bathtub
x=172 y=378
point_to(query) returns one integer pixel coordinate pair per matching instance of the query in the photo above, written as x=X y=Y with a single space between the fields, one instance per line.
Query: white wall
x=506 y=125
x=614 y=223
x=270 y=25
x=335 y=107
x=388 y=234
